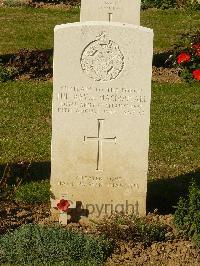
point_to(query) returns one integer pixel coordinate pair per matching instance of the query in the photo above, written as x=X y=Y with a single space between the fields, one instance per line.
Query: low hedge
x=187 y=214
x=35 y=244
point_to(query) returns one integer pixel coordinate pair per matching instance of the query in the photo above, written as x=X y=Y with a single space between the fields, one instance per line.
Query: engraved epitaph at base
x=101 y=117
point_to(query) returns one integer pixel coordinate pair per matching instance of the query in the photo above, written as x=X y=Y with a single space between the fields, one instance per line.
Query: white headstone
x=101 y=117
x=126 y=11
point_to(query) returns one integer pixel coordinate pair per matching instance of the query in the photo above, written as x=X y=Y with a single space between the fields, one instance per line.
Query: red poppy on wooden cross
x=63 y=205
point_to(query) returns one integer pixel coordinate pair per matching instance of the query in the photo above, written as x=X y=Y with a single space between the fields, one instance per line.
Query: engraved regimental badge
x=102 y=59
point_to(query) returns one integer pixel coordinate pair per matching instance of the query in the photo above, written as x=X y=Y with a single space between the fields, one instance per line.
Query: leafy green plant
x=7 y=73
x=187 y=214
x=33 y=192
x=192 y=4
x=132 y=228
x=9 y=183
x=189 y=4
x=186 y=56
x=165 y=4
x=181 y=218
x=15 y=3
x=34 y=244
x=67 y=2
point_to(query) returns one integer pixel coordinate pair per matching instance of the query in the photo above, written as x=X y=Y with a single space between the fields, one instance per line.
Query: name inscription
x=97 y=181
x=111 y=5
x=93 y=100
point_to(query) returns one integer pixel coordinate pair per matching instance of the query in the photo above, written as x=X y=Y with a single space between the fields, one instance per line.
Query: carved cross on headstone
x=110 y=16
x=100 y=139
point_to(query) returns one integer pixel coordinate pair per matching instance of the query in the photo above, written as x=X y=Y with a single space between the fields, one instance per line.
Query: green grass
x=25 y=110
x=175 y=127
x=33 y=28
x=168 y=25
x=33 y=192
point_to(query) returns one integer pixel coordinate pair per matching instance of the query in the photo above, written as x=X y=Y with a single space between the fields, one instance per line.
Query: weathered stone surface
x=101 y=117
x=126 y=11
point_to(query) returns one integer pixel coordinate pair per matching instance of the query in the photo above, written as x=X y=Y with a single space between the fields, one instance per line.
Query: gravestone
x=101 y=117
x=127 y=11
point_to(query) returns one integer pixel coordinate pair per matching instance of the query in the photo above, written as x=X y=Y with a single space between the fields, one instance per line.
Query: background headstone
x=127 y=11
x=101 y=117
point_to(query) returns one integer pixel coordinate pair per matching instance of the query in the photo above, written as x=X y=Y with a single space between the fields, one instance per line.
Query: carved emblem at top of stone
x=102 y=59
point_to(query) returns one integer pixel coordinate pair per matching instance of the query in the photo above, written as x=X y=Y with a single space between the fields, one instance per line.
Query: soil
x=176 y=251
x=52 y=6
x=172 y=253
x=40 y=4
x=13 y=215
x=161 y=74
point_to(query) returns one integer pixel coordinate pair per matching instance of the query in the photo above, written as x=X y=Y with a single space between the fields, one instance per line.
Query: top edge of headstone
x=101 y=23
x=124 y=11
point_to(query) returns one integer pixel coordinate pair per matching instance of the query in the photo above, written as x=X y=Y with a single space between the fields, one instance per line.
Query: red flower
x=196 y=47
x=183 y=58
x=63 y=205
x=196 y=74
